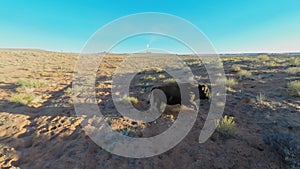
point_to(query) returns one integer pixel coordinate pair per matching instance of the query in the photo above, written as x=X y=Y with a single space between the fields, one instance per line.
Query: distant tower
x=147 y=48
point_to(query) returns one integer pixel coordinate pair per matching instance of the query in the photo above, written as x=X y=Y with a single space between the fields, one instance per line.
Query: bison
x=170 y=94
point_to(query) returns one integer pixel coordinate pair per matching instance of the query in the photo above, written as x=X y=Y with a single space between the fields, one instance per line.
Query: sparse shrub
x=127 y=99
x=295 y=61
x=217 y=63
x=287 y=146
x=68 y=91
x=271 y=64
x=101 y=85
x=169 y=80
x=28 y=86
x=226 y=126
x=24 y=89
x=236 y=68
x=280 y=60
x=244 y=73
x=292 y=70
x=169 y=116
x=30 y=83
x=151 y=78
x=158 y=70
x=260 y=98
x=231 y=82
x=262 y=101
x=294 y=88
x=263 y=57
x=23 y=98
x=161 y=76
x=125 y=125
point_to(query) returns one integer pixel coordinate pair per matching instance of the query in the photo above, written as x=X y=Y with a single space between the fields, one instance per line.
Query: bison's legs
x=158 y=101
x=189 y=100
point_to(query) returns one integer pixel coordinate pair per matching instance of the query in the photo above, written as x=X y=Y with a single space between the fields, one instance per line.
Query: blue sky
x=231 y=26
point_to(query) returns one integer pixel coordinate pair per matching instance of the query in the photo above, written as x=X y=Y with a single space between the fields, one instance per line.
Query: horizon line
x=218 y=53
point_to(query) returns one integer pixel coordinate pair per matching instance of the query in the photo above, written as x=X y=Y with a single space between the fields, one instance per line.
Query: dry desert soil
x=39 y=127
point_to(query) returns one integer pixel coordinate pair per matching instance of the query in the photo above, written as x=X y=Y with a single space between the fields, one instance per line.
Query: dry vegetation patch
x=294 y=88
x=226 y=126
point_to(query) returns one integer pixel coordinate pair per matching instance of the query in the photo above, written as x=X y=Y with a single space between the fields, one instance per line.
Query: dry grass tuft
x=292 y=70
x=244 y=73
x=151 y=78
x=236 y=68
x=263 y=57
x=23 y=98
x=230 y=82
x=169 y=80
x=127 y=99
x=226 y=126
x=295 y=61
x=294 y=88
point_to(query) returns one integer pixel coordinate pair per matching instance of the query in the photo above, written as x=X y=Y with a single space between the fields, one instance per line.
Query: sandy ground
x=44 y=131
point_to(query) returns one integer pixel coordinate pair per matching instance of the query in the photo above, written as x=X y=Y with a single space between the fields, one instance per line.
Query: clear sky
x=231 y=26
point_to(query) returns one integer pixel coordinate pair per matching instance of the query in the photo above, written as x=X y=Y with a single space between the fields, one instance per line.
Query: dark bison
x=171 y=94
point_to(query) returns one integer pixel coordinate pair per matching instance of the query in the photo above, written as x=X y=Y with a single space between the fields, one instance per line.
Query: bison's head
x=204 y=92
